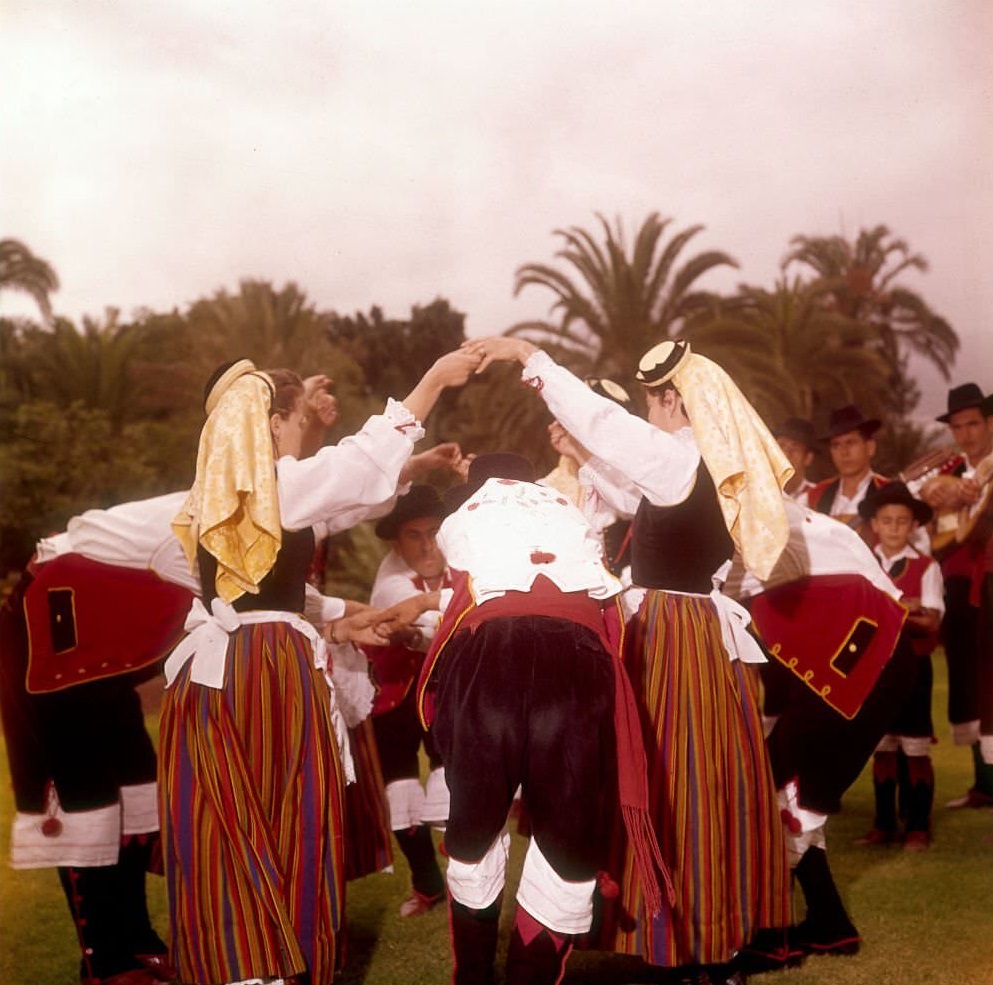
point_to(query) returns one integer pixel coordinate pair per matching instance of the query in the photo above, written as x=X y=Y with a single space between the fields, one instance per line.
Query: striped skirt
x=711 y=794
x=251 y=799
x=368 y=842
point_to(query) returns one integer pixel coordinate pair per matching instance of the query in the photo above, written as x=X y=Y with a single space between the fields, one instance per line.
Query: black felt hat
x=799 y=429
x=894 y=492
x=965 y=396
x=850 y=418
x=491 y=465
x=421 y=501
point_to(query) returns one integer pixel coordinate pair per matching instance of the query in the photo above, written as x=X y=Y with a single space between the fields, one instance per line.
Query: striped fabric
x=368 y=846
x=711 y=794
x=251 y=801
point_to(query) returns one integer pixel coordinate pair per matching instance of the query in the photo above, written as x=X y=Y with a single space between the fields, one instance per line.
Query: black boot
x=92 y=896
x=536 y=955
x=425 y=875
x=136 y=932
x=920 y=800
x=771 y=949
x=885 y=773
x=474 y=942
x=827 y=928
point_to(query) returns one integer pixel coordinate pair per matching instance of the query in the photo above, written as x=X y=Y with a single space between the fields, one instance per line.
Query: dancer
x=253 y=758
x=527 y=693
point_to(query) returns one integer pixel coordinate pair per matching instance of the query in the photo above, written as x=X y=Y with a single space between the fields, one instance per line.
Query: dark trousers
x=527 y=701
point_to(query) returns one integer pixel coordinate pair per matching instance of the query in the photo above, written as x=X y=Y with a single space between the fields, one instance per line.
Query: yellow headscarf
x=232 y=508
x=745 y=461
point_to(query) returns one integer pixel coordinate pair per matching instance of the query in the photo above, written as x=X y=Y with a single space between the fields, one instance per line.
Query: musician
x=852 y=446
x=798 y=440
x=968 y=572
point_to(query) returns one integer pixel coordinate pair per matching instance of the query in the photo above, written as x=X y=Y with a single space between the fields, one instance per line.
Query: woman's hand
x=499 y=349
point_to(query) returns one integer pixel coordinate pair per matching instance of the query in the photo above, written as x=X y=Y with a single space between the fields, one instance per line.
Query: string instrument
x=952 y=525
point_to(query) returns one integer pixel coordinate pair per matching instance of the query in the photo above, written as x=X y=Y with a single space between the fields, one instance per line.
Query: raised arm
x=660 y=465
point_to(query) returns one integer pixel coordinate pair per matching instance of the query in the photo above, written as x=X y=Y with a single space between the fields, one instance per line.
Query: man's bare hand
x=446 y=456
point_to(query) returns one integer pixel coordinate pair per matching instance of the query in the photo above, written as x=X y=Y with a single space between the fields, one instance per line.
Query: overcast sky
x=390 y=151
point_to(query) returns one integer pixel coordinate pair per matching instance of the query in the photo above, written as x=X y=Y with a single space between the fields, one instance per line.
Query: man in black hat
x=410 y=578
x=852 y=446
x=798 y=440
x=968 y=571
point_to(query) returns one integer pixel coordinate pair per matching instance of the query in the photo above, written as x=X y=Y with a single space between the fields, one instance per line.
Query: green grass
x=925 y=919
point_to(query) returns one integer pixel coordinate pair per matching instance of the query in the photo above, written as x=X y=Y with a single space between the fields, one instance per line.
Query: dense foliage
x=109 y=410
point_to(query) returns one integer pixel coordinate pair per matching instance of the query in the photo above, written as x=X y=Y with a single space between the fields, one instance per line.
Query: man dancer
x=529 y=692
x=413 y=572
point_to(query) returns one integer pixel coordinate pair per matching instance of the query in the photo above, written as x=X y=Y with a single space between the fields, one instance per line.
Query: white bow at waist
x=206 y=646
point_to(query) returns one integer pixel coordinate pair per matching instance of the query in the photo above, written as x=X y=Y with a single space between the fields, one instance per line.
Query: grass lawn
x=926 y=919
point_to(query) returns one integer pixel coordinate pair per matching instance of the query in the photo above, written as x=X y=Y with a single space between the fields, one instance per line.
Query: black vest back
x=282 y=589
x=680 y=547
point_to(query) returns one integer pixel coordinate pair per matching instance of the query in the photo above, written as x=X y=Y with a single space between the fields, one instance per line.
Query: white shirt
x=932 y=583
x=658 y=465
x=849 y=505
x=395 y=582
x=817 y=545
x=509 y=532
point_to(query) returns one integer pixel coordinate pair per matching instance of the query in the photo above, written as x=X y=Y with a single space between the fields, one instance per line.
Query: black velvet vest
x=680 y=547
x=282 y=590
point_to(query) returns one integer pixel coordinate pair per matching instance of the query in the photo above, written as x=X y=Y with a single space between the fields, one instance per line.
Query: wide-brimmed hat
x=799 y=429
x=894 y=492
x=420 y=502
x=965 y=396
x=850 y=418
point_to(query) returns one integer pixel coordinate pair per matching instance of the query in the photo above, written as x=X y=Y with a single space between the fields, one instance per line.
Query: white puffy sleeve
x=660 y=466
x=351 y=481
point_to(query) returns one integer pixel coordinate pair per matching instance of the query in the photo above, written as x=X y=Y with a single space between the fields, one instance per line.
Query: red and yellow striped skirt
x=251 y=795
x=711 y=794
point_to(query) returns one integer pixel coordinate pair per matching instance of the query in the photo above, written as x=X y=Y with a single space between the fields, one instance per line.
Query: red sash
x=87 y=621
x=394 y=670
x=835 y=632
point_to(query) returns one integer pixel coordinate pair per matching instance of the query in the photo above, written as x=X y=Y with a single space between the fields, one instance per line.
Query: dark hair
x=287 y=390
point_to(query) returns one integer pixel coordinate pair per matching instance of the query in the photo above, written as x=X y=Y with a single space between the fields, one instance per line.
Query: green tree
x=792 y=354
x=861 y=281
x=21 y=270
x=615 y=302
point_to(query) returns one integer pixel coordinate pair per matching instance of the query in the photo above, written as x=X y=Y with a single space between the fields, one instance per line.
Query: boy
x=893 y=514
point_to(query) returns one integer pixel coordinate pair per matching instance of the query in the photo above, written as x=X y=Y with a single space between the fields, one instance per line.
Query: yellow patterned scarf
x=233 y=509
x=745 y=461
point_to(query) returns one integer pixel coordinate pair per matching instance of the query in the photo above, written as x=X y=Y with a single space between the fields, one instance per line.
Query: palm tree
x=791 y=353
x=21 y=270
x=622 y=302
x=93 y=367
x=861 y=282
x=271 y=327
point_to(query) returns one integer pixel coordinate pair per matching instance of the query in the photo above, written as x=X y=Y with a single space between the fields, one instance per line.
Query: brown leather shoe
x=917 y=841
